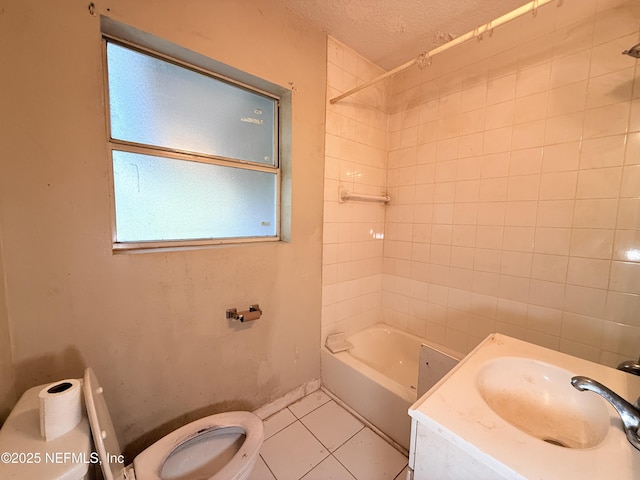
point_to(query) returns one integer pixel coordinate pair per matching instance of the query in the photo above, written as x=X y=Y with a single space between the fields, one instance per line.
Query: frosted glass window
x=159 y=199
x=155 y=102
x=194 y=157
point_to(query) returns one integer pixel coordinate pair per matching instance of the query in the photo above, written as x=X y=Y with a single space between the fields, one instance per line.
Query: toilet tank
x=25 y=455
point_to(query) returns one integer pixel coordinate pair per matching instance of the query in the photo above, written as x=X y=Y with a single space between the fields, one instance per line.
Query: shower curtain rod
x=425 y=58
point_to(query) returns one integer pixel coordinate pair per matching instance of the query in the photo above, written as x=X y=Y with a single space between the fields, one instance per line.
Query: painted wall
x=151 y=325
x=514 y=165
x=7 y=385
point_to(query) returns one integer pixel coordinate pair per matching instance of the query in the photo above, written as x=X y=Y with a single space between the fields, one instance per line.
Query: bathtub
x=378 y=377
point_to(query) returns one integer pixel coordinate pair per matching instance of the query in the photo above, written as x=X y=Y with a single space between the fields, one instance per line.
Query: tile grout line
x=268 y=467
x=318 y=440
x=313 y=410
x=367 y=423
x=331 y=453
x=403 y=467
x=298 y=420
x=287 y=425
x=294 y=415
x=343 y=465
x=364 y=424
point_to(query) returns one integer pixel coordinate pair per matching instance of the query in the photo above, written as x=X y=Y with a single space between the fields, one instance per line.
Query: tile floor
x=317 y=439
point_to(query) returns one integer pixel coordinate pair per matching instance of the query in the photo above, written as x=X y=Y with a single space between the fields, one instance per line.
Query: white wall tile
x=516 y=186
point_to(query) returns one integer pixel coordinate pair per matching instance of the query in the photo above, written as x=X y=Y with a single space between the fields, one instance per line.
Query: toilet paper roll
x=60 y=408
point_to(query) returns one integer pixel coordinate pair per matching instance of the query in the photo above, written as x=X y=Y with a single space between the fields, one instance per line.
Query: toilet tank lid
x=67 y=457
x=104 y=435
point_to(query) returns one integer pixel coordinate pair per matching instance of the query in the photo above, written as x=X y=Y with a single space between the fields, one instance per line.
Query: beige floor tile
x=309 y=403
x=369 y=457
x=332 y=425
x=329 y=469
x=292 y=452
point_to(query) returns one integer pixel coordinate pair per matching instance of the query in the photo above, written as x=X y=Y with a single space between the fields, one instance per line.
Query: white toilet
x=218 y=447
x=33 y=458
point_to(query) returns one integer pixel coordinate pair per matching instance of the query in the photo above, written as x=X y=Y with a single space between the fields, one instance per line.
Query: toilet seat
x=148 y=465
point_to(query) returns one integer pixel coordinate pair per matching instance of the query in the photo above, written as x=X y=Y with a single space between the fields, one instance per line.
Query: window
x=195 y=156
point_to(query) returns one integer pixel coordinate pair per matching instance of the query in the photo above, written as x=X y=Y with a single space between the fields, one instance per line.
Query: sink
x=538 y=399
x=507 y=410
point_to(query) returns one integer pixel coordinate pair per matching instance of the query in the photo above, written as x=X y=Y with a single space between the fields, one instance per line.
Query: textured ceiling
x=392 y=32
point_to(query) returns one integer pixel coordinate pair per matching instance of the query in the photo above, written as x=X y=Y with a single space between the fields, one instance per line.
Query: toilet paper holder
x=253 y=313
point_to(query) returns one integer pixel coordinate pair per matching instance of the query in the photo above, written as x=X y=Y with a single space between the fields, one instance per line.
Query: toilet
x=32 y=457
x=224 y=446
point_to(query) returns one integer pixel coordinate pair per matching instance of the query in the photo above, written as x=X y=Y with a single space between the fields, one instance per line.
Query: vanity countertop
x=456 y=410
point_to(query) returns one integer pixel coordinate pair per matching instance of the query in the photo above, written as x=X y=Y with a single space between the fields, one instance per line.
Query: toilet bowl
x=218 y=447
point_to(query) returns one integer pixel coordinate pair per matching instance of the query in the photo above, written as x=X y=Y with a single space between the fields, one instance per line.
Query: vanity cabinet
x=432 y=456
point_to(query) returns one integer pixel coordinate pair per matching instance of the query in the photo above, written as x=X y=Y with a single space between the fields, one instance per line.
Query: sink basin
x=507 y=409
x=538 y=399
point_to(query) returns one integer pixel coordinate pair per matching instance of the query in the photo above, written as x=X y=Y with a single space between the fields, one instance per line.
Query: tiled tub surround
x=316 y=439
x=355 y=159
x=513 y=164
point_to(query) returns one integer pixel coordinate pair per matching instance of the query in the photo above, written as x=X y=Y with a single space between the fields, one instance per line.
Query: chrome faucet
x=630 y=414
x=630 y=366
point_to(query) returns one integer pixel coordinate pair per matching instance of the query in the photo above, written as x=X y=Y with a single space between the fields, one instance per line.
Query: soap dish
x=338 y=343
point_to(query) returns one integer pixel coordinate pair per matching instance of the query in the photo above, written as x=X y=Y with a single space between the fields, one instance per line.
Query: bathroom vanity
x=508 y=411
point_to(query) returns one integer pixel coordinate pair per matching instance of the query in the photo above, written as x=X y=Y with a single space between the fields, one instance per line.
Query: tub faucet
x=630 y=366
x=630 y=414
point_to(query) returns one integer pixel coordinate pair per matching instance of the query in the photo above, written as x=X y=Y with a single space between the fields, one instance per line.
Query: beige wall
x=7 y=385
x=151 y=325
x=514 y=165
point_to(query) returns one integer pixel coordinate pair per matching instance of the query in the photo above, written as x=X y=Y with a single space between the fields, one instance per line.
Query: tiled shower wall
x=513 y=163
x=356 y=160
x=514 y=172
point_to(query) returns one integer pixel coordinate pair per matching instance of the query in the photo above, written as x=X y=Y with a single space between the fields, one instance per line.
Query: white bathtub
x=378 y=377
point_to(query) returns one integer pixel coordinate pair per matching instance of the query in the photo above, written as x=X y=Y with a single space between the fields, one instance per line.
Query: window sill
x=184 y=245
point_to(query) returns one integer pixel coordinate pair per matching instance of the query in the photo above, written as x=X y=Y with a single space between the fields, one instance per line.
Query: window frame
x=183 y=155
